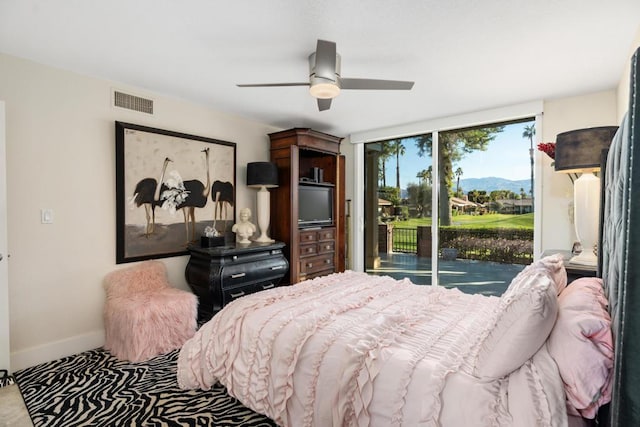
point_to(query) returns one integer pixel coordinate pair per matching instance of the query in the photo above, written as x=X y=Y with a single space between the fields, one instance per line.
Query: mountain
x=492 y=183
x=487 y=184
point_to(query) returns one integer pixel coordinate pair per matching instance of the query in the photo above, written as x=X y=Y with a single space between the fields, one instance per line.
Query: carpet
x=96 y=389
x=13 y=413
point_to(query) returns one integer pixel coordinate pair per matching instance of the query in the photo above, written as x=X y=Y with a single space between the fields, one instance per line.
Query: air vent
x=132 y=102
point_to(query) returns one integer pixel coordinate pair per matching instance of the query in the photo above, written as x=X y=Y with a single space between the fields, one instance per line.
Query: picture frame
x=170 y=186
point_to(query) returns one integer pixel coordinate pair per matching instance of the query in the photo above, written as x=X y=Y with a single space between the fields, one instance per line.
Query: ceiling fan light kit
x=325 y=82
x=324 y=90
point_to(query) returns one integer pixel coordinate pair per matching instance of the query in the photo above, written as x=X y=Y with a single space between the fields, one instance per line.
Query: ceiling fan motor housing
x=323 y=86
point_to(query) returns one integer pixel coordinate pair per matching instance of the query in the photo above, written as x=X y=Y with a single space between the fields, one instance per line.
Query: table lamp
x=262 y=175
x=580 y=151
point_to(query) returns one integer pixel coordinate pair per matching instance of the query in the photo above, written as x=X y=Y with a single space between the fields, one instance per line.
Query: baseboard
x=55 y=350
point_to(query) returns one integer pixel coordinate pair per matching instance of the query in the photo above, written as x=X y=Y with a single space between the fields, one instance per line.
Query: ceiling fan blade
x=272 y=84
x=324 y=104
x=326 y=60
x=374 y=84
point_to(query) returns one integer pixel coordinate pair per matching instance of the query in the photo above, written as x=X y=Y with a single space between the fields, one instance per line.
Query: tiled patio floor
x=488 y=278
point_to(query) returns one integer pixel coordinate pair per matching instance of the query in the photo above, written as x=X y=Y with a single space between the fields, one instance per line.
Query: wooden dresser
x=314 y=250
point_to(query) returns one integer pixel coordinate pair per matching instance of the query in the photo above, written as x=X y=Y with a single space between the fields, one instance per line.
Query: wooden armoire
x=308 y=158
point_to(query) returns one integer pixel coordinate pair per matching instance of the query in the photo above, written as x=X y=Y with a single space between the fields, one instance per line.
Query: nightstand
x=574 y=271
x=218 y=275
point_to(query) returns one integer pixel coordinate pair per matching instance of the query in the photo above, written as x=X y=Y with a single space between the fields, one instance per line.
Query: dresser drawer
x=317 y=263
x=308 y=250
x=326 y=234
x=252 y=256
x=310 y=276
x=326 y=247
x=308 y=236
x=231 y=294
x=251 y=272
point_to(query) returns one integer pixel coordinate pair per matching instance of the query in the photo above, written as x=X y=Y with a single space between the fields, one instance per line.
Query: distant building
x=464 y=205
x=385 y=207
x=515 y=206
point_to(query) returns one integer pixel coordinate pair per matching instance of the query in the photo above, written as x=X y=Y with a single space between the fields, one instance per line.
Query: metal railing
x=405 y=240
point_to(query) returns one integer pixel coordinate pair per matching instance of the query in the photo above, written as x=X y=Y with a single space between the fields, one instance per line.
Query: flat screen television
x=315 y=205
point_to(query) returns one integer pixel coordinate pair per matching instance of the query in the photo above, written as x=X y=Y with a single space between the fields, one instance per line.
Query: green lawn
x=476 y=221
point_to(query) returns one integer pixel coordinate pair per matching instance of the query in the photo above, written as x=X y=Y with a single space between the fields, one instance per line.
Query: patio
x=487 y=278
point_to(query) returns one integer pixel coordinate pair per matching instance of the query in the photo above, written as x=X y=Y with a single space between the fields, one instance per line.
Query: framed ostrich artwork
x=169 y=187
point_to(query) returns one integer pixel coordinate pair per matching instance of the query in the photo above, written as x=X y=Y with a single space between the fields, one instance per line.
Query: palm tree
x=399 y=150
x=385 y=152
x=529 y=132
x=458 y=174
x=426 y=175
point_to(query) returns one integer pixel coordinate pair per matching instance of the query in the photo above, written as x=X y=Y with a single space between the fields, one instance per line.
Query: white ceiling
x=464 y=55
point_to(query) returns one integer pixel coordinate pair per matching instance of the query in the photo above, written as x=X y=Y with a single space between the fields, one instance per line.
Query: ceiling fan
x=325 y=81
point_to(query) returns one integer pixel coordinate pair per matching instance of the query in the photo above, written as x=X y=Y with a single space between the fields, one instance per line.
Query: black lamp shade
x=581 y=150
x=262 y=174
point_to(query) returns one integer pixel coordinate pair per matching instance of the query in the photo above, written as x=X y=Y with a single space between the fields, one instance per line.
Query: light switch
x=46 y=216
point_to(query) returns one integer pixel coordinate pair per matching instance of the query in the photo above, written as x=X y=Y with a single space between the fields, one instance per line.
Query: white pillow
x=523 y=320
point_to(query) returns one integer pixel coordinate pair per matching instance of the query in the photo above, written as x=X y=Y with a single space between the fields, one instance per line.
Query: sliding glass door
x=481 y=182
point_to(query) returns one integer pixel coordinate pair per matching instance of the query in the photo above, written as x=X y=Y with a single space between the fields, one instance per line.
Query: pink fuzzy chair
x=143 y=315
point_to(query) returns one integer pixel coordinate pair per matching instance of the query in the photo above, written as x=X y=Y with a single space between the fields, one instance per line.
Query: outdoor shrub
x=501 y=250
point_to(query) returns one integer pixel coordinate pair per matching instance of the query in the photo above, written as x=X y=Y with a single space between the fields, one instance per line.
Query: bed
x=354 y=349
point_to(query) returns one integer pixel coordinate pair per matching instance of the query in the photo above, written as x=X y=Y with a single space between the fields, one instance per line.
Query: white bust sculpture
x=244 y=229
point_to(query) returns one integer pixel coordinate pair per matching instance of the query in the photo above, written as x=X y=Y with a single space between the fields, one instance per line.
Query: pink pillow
x=553 y=265
x=524 y=317
x=581 y=343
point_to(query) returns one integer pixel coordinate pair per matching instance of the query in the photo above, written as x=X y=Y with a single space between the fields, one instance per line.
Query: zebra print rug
x=96 y=389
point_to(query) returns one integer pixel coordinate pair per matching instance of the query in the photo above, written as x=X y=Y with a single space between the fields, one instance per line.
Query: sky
x=507 y=156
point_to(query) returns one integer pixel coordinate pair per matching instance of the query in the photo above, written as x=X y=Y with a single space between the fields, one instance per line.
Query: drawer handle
x=327 y=261
x=237 y=276
x=238 y=295
x=277 y=267
x=269 y=286
x=309 y=249
x=328 y=247
x=309 y=265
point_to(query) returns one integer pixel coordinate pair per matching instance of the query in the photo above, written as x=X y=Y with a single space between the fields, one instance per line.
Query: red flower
x=549 y=148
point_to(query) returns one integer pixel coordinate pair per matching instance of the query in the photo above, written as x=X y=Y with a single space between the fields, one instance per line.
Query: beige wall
x=623 y=87
x=560 y=115
x=61 y=155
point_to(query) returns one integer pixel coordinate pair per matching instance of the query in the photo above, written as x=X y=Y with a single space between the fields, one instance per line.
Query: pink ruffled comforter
x=352 y=349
